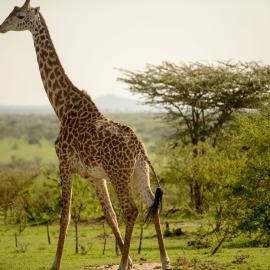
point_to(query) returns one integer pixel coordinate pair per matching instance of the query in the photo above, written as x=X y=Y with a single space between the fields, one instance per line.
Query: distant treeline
x=35 y=127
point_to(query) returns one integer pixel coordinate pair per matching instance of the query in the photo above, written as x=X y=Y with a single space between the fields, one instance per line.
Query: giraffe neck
x=57 y=85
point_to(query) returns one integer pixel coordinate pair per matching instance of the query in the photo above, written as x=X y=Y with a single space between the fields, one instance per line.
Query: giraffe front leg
x=65 y=214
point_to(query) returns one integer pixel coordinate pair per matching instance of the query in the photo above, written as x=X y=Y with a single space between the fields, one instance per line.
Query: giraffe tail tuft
x=156 y=205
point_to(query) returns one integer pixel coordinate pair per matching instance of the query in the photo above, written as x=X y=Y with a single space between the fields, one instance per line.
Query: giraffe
x=90 y=144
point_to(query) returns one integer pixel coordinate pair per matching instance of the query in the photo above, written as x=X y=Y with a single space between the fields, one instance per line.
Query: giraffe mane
x=49 y=36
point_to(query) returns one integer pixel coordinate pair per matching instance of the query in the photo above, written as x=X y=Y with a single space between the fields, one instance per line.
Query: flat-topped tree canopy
x=200 y=98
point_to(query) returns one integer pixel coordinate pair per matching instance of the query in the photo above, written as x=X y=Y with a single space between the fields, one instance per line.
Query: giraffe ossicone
x=89 y=143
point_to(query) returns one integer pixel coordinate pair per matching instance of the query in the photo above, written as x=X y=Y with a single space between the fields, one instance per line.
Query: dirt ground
x=140 y=266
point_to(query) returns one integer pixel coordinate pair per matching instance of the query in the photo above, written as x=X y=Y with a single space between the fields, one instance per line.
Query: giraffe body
x=89 y=144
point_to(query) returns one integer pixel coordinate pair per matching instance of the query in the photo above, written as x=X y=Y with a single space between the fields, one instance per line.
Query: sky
x=94 y=38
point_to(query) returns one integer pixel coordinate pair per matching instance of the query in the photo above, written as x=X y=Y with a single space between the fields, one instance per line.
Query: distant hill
x=108 y=103
x=113 y=103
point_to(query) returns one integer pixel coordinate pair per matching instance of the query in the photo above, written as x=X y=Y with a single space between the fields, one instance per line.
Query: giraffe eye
x=20 y=17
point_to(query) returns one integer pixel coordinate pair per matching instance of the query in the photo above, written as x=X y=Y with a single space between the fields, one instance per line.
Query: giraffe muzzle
x=2 y=30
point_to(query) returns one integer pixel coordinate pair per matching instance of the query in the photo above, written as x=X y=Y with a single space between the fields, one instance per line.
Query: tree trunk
x=116 y=248
x=141 y=239
x=48 y=233
x=191 y=195
x=22 y=226
x=219 y=219
x=198 y=197
x=5 y=214
x=220 y=242
x=142 y=222
x=196 y=190
x=76 y=238
x=105 y=239
x=16 y=240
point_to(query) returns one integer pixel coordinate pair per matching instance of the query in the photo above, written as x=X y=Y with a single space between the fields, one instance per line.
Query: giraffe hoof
x=166 y=265
x=128 y=267
x=121 y=267
x=55 y=267
x=130 y=264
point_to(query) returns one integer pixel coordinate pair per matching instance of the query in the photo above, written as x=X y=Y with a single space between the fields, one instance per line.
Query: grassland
x=34 y=253
x=20 y=149
x=31 y=137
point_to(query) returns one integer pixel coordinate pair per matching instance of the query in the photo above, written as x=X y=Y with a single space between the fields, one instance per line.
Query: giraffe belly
x=95 y=172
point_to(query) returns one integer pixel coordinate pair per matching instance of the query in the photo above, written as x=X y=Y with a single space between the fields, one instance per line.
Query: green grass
x=16 y=131
x=20 y=149
x=34 y=253
x=39 y=255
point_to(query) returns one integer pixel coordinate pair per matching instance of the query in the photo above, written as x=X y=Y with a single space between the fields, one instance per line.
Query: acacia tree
x=40 y=201
x=243 y=193
x=250 y=197
x=200 y=99
x=48 y=204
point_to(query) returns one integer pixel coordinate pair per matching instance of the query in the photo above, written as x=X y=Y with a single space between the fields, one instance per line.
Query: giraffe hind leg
x=122 y=187
x=100 y=186
x=142 y=183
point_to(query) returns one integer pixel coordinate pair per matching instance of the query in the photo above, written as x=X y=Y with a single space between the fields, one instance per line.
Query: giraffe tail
x=157 y=204
x=153 y=171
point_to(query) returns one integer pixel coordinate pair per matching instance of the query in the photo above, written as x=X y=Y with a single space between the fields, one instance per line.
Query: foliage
x=12 y=185
x=250 y=191
x=200 y=98
x=172 y=232
x=84 y=201
x=239 y=201
x=19 y=126
x=235 y=178
x=208 y=170
x=39 y=201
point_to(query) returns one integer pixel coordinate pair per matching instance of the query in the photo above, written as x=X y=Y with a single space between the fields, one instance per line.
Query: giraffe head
x=20 y=19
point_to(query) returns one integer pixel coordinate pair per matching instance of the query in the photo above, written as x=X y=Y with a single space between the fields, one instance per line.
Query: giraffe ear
x=37 y=9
